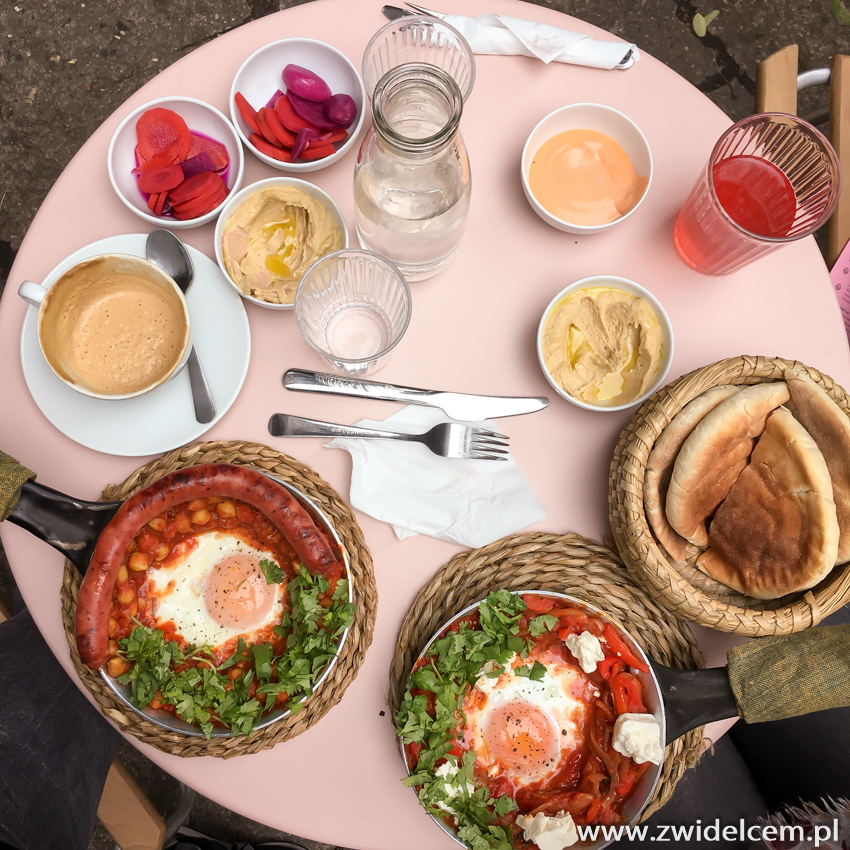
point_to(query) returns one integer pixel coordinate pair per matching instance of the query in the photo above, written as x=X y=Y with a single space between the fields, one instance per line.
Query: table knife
x=394 y=12
x=467 y=408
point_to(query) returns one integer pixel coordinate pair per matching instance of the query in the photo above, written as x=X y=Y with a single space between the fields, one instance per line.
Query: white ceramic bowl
x=632 y=288
x=260 y=77
x=235 y=200
x=587 y=116
x=201 y=118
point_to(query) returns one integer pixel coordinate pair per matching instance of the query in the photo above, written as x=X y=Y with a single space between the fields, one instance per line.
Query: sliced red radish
x=269 y=150
x=248 y=113
x=193 y=186
x=158 y=128
x=161 y=179
x=287 y=115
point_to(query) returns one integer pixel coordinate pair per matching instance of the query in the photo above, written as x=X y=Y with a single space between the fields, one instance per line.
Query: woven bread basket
x=682 y=588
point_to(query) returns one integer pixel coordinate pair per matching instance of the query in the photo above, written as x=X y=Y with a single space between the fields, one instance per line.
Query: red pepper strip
x=620 y=694
x=609 y=667
x=627 y=781
x=595 y=806
x=620 y=649
x=633 y=693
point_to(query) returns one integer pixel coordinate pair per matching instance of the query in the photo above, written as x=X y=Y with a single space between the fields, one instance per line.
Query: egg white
x=555 y=695
x=176 y=591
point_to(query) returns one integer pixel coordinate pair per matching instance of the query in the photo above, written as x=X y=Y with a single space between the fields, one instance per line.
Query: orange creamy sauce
x=584 y=177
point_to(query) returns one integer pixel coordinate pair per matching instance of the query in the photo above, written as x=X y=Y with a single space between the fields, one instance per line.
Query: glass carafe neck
x=416 y=109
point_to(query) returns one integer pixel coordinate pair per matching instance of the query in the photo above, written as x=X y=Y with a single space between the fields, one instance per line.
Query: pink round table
x=473 y=330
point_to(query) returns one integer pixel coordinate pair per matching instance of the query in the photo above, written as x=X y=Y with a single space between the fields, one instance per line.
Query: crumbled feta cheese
x=448 y=771
x=587 y=650
x=485 y=683
x=639 y=737
x=549 y=833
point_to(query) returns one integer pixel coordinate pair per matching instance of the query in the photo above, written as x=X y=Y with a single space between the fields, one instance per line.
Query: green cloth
x=788 y=675
x=12 y=478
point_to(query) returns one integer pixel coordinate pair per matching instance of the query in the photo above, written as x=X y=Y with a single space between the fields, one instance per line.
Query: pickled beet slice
x=311 y=112
x=341 y=109
x=304 y=83
x=273 y=99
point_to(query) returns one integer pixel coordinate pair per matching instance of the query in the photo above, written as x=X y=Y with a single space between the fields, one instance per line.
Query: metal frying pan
x=73 y=526
x=680 y=700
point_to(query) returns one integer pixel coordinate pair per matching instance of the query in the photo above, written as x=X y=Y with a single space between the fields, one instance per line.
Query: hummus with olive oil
x=273 y=237
x=603 y=346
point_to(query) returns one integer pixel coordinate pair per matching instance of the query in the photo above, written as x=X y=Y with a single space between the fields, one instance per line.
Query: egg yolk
x=236 y=594
x=522 y=738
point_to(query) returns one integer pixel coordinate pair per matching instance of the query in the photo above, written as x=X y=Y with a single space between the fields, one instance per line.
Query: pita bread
x=777 y=530
x=659 y=465
x=714 y=455
x=829 y=427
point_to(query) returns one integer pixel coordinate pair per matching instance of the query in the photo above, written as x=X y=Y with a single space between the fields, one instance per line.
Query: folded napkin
x=472 y=502
x=511 y=36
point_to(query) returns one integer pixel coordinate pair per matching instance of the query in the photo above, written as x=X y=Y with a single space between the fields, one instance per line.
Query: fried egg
x=215 y=592
x=526 y=730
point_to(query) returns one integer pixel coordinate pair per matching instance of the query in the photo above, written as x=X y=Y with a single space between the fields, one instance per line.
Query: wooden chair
x=124 y=810
x=777 y=84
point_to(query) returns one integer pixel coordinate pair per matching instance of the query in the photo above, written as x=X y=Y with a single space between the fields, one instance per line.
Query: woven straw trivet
x=264 y=459
x=569 y=564
x=682 y=587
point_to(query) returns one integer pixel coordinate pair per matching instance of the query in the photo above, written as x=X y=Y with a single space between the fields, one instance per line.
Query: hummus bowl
x=237 y=212
x=201 y=118
x=655 y=343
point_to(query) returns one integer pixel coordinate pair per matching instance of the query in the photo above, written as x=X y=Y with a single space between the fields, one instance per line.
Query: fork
x=448 y=439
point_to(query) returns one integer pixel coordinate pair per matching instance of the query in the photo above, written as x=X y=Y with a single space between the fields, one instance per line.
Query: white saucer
x=164 y=418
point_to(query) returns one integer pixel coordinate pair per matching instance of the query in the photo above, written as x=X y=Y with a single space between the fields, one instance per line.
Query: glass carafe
x=412 y=181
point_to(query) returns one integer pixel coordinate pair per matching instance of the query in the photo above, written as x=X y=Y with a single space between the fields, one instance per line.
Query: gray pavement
x=65 y=65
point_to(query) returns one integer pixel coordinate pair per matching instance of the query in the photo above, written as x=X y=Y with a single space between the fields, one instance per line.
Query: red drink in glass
x=771 y=179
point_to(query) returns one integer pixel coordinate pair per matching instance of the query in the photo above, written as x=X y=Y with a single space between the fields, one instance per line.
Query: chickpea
x=113 y=648
x=138 y=561
x=226 y=509
x=122 y=574
x=201 y=517
x=158 y=523
x=130 y=547
x=235 y=673
x=162 y=553
x=133 y=608
x=126 y=596
x=116 y=666
x=113 y=626
x=214 y=500
x=182 y=523
x=197 y=504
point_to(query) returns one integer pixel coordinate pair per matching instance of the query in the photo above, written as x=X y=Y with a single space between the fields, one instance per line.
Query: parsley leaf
x=272 y=572
x=542 y=623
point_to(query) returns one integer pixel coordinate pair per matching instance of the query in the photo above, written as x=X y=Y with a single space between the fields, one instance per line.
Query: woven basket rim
x=720 y=608
x=570 y=564
x=348 y=661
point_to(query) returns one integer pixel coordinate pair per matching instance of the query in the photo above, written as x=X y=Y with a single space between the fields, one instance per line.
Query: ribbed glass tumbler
x=421 y=40
x=353 y=308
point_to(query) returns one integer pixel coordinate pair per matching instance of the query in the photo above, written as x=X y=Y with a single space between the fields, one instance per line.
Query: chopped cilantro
x=542 y=623
x=272 y=572
x=535 y=673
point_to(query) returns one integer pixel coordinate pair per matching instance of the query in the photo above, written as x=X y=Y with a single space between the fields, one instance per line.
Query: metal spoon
x=165 y=250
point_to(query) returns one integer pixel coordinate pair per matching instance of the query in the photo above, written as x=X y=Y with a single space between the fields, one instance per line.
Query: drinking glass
x=771 y=179
x=421 y=40
x=353 y=307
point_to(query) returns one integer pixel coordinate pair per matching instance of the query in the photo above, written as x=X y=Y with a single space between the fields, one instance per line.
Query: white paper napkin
x=514 y=36
x=472 y=502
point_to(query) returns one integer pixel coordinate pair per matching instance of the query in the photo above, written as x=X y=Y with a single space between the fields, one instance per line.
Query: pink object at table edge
x=339 y=782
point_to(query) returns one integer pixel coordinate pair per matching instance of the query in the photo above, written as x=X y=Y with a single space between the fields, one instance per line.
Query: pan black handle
x=70 y=525
x=694 y=697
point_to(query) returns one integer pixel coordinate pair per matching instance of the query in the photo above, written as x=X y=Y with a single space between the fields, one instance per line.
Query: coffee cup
x=113 y=326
